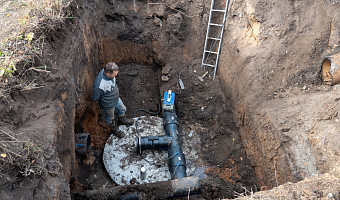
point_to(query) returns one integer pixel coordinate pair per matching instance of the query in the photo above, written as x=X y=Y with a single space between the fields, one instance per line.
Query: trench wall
x=270 y=63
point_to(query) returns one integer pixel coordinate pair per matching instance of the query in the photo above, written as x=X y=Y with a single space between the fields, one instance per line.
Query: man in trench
x=106 y=91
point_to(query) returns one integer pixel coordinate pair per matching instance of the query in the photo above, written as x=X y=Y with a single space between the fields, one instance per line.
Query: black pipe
x=83 y=144
x=176 y=163
x=159 y=190
x=153 y=142
x=170 y=141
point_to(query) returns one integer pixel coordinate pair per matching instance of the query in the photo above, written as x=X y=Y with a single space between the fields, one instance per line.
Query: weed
x=26 y=38
x=26 y=156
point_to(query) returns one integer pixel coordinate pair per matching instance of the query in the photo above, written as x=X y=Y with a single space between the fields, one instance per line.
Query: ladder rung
x=217 y=10
x=210 y=52
x=209 y=65
x=212 y=38
x=223 y=10
x=212 y=24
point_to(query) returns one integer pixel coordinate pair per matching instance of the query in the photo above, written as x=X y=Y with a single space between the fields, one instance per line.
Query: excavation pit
x=279 y=108
x=207 y=133
x=143 y=44
x=145 y=51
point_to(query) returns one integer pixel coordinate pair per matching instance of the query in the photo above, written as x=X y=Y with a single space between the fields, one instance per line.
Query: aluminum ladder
x=211 y=52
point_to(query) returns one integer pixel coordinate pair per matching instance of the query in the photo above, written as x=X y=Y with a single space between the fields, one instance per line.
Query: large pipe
x=331 y=69
x=83 y=143
x=177 y=163
x=159 y=190
x=170 y=141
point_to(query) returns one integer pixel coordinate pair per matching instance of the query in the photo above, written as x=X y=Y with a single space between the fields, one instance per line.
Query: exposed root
x=25 y=156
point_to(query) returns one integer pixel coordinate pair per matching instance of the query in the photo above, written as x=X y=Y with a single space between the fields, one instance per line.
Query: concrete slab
x=123 y=163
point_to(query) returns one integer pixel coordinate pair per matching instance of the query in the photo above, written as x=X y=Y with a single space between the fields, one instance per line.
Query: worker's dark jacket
x=106 y=91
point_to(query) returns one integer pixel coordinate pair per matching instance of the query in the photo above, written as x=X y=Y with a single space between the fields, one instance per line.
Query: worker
x=106 y=91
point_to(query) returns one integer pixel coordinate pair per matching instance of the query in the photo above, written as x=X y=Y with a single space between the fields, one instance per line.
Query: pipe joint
x=153 y=142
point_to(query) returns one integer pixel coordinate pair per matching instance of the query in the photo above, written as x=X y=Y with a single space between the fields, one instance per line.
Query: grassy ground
x=24 y=26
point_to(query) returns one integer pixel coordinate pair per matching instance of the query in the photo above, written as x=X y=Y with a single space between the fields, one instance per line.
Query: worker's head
x=111 y=70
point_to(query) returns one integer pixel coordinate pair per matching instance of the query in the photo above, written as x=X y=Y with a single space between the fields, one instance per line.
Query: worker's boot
x=125 y=121
x=115 y=131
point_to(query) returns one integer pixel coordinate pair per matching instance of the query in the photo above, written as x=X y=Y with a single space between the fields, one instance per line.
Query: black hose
x=147 y=111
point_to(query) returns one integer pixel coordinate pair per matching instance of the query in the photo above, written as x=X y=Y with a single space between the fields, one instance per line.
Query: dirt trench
x=251 y=136
x=146 y=47
x=148 y=42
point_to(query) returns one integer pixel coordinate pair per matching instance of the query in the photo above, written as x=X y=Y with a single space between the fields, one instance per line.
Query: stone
x=165 y=78
x=157 y=21
x=174 y=22
x=166 y=70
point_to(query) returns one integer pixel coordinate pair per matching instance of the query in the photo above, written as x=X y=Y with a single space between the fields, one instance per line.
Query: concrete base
x=123 y=162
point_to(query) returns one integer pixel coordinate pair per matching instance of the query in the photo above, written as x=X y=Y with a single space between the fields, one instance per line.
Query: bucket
x=331 y=69
x=83 y=143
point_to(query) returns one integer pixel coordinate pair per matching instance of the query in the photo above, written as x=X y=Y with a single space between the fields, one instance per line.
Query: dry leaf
x=3 y=155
